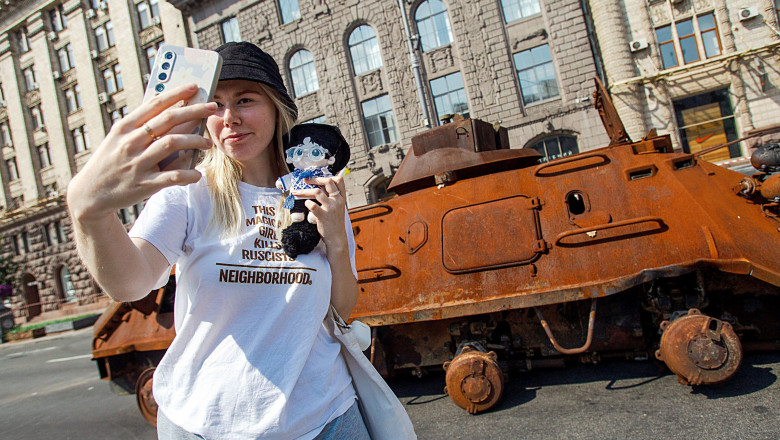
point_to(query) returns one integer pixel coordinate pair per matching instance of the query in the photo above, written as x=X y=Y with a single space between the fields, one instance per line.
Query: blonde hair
x=223 y=173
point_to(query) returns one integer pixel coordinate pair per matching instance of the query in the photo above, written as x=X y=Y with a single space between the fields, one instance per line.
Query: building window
x=317 y=120
x=37 y=118
x=112 y=78
x=433 y=24
x=536 y=74
x=379 y=120
x=65 y=56
x=46 y=234
x=364 y=49
x=13 y=171
x=303 y=73
x=449 y=96
x=29 y=79
x=57 y=232
x=230 y=30
x=68 y=289
x=25 y=238
x=22 y=40
x=556 y=147
x=290 y=10
x=80 y=139
x=58 y=19
x=517 y=9
x=707 y=120
x=73 y=98
x=118 y=114
x=104 y=36
x=44 y=155
x=148 y=13
x=151 y=53
x=689 y=40
x=5 y=135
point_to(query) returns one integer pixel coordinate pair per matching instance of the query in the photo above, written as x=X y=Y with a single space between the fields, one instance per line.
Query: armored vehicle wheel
x=474 y=380
x=699 y=349
x=145 y=397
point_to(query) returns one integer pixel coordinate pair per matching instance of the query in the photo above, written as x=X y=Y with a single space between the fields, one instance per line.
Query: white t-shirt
x=251 y=358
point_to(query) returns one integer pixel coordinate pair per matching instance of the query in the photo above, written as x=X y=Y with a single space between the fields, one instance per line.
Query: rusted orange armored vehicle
x=487 y=260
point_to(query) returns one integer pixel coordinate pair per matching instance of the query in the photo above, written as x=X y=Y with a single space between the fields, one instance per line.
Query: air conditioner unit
x=90 y=13
x=94 y=54
x=103 y=98
x=53 y=36
x=56 y=74
x=748 y=13
x=638 y=45
x=156 y=20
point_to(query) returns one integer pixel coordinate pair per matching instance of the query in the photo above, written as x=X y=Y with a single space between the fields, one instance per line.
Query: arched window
x=433 y=24
x=68 y=290
x=364 y=49
x=303 y=73
x=556 y=147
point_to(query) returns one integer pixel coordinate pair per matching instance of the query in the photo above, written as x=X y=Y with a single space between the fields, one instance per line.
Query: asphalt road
x=49 y=389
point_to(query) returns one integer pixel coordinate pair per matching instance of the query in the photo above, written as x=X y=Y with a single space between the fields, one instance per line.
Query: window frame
x=360 y=47
x=23 y=40
x=105 y=39
x=13 y=169
x=36 y=115
x=438 y=98
x=58 y=19
x=231 y=26
x=428 y=26
x=533 y=67
x=151 y=17
x=5 y=135
x=390 y=131
x=516 y=4
x=557 y=137
x=305 y=71
x=698 y=36
x=115 y=71
x=30 y=80
x=80 y=139
x=289 y=15
x=44 y=153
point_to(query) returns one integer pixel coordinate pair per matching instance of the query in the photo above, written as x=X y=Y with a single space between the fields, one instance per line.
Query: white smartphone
x=175 y=66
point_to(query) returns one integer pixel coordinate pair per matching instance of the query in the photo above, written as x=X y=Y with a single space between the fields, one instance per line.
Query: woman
x=250 y=358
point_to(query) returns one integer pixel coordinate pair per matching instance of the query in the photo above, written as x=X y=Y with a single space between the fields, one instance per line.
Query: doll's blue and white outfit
x=310 y=160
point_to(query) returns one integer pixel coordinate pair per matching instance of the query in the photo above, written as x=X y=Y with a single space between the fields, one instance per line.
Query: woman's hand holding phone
x=124 y=169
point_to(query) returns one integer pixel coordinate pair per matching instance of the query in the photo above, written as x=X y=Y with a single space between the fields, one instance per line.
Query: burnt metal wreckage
x=631 y=250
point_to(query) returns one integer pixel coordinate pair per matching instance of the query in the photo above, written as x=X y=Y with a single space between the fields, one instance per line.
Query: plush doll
x=312 y=150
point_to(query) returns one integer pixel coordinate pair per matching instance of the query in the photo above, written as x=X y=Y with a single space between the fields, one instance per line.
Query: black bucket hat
x=243 y=60
x=324 y=135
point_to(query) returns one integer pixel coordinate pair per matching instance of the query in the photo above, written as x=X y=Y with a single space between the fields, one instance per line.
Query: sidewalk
x=89 y=312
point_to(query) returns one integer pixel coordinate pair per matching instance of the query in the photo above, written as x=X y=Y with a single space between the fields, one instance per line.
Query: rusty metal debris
x=474 y=380
x=699 y=349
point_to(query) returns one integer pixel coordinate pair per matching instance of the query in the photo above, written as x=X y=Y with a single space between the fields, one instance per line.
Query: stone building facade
x=526 y=64
x=68 y=69
x=703 y=71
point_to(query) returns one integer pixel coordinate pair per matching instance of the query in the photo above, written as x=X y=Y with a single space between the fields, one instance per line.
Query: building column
x=619 y=65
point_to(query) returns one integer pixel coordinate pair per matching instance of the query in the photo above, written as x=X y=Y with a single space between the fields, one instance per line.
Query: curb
x=51 y=329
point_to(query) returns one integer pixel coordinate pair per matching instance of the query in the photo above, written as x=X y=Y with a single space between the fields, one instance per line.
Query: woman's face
x=244 y=123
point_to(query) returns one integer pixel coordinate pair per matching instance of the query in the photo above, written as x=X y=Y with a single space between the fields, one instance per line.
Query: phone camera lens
x=168 y=55
x=166 y=66
x=163 y=76
x=160 y=88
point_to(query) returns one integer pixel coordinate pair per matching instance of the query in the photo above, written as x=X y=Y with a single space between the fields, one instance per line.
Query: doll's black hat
x=324 y=135
x=243 y=60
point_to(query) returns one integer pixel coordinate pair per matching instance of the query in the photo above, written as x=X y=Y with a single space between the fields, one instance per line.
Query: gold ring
x=334 y=194
x=149 y=131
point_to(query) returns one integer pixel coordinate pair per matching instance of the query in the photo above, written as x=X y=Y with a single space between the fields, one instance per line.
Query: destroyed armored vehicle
x=488 y=261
